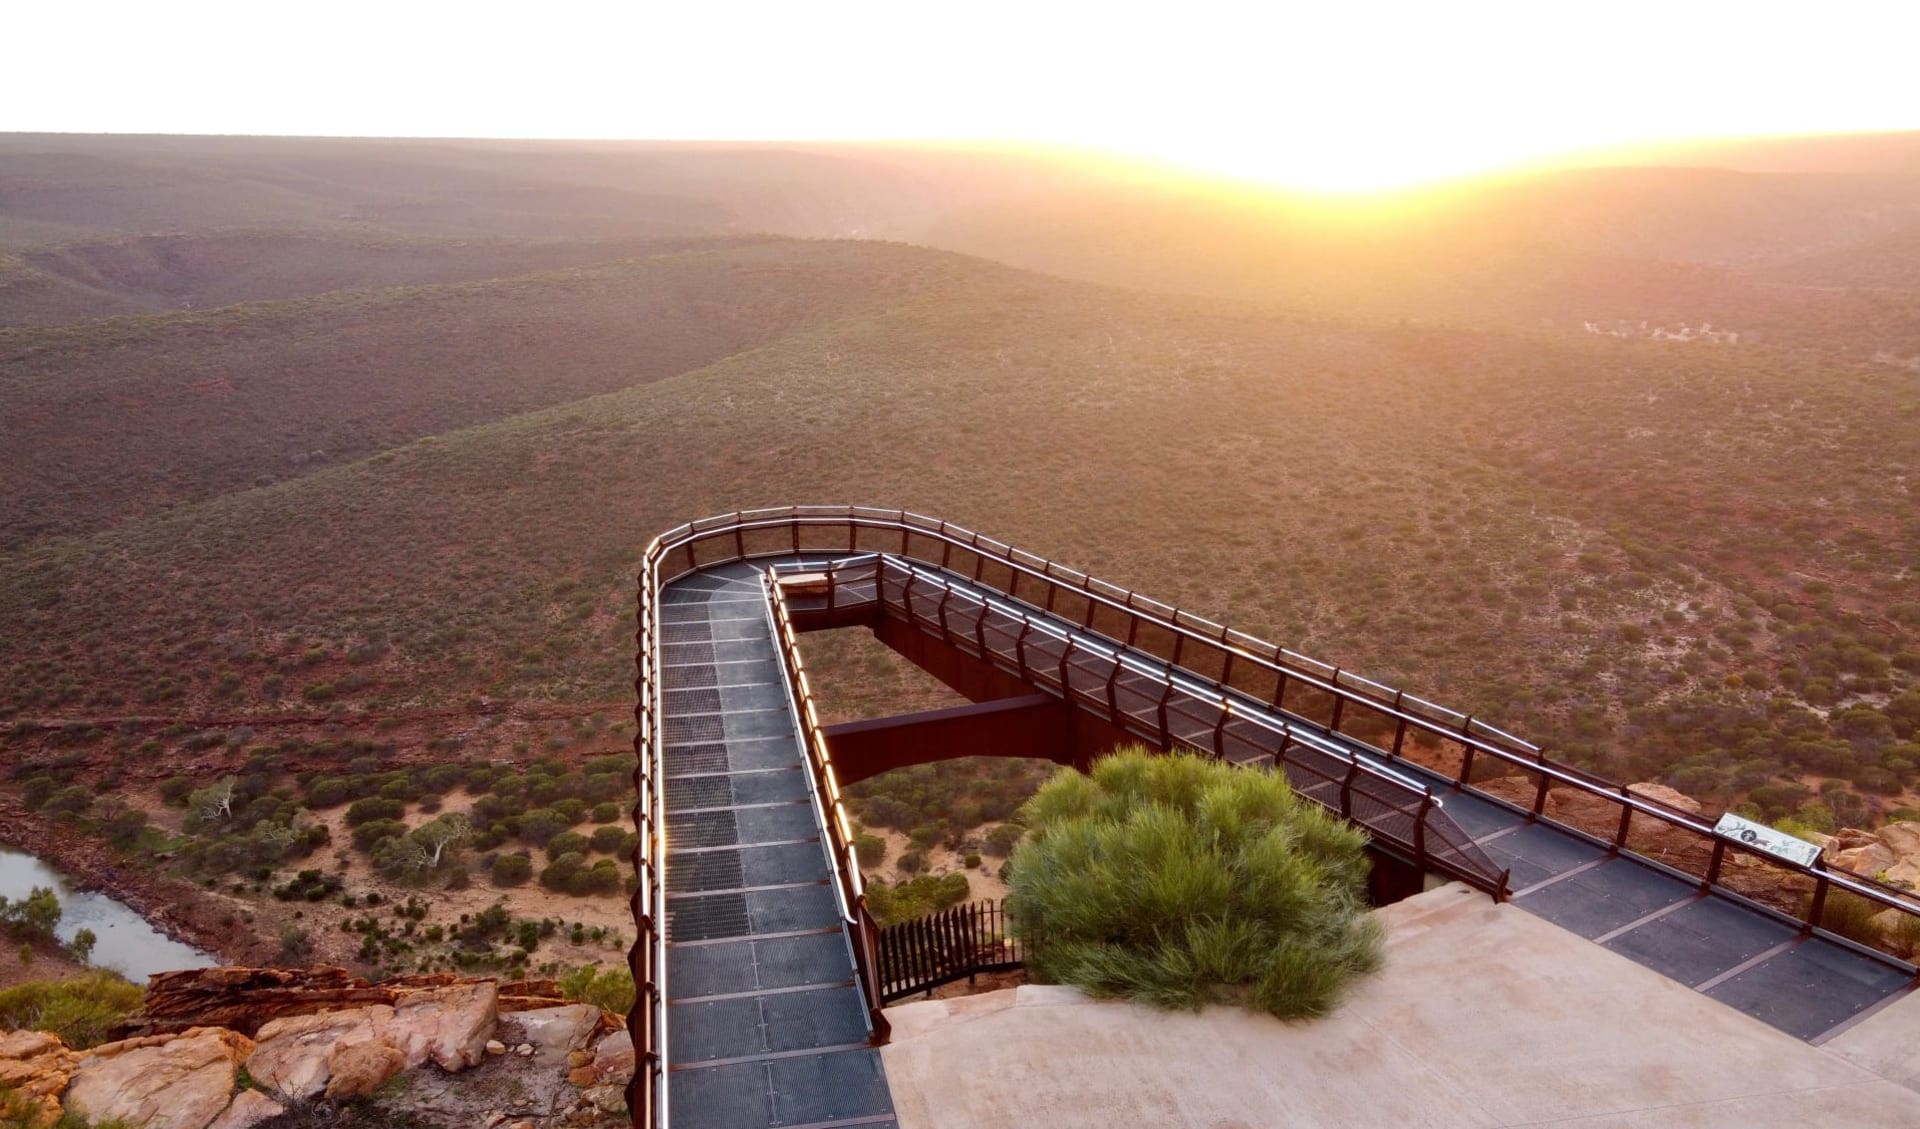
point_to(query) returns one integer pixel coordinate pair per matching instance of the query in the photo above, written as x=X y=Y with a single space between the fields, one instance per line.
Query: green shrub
x=871 y=850
x=612 y=989
x=915 y=897
x=374 y=807
x=84 y=1010
x=1849 y=915
x=567 y=843
x=512 y=870
x=560 y=872
x=1001 y=840
x=1180 y=882
x=174 y=790
x=607 y=840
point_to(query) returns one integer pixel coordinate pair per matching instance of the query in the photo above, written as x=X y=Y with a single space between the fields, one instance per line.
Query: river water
x=127 y=944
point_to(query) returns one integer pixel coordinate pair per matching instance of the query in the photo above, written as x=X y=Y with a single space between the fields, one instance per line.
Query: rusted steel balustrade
x=1167 y=710
x=956 y=943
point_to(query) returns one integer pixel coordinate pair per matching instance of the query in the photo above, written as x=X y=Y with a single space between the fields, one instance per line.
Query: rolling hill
x=413 y=464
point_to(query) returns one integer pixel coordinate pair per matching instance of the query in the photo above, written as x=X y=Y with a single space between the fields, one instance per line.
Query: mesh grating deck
x=719 y=870
x=691 y=701
x=681 y=654
x=702 y=728
x=686 y=632
x=704 y=918
x=696 y=758
x=702 y=792
x=702 y=829
x=687 y=677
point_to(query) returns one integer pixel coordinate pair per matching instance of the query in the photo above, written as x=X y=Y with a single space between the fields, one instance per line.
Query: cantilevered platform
x=758 y=998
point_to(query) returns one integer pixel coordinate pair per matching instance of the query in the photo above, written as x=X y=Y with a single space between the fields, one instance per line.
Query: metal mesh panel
x=699 y=919
x=702 y=829
x=690 y=701
x=712 y=870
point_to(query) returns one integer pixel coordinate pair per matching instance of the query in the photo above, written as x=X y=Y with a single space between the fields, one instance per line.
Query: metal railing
x=849 y=887
x=1378 y=716
x=647 y=960
x=956 y=943
x=1162 y=707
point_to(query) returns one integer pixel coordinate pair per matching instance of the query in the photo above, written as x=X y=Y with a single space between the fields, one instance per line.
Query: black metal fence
x=952 y=944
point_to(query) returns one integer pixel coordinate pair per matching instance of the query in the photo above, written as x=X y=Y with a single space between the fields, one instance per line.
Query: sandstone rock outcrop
x=613 y=1059
x=295 y=1055
x=178 y=1082
x=447 y=1026
x=245 y=999
x=37 y=1066
x=360 y=1068
x=249 y=1108
x=556 y=1031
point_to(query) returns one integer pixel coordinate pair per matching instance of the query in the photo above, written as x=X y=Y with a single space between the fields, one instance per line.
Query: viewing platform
x=759 y=992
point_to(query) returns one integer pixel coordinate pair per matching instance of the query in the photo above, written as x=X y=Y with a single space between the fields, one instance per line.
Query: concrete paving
x=1485 y=1016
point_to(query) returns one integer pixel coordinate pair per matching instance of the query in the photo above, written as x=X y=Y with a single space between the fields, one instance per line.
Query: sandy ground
x=983 y=881
x=1483 y=1017
x=322 y=920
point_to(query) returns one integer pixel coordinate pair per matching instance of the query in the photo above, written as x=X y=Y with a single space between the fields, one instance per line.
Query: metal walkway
x=1737 y=953
x=757 y=994
x=767 y=1026
x=1747 y=958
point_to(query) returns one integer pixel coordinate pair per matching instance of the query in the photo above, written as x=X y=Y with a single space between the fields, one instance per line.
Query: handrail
x=1234 y=650
x=1394 y=796
x=647 y=960
x=849 y=888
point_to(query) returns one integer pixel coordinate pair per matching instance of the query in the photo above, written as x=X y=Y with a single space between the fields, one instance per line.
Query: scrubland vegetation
x=1180 y=882
x=382 y=506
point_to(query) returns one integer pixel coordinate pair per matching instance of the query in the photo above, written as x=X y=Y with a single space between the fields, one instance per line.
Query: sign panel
x=1765 y=838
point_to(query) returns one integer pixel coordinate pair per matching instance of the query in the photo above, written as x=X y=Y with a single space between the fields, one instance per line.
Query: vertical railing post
x=1819 y=907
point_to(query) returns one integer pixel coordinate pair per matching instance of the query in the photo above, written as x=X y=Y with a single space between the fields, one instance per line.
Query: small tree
x=439 y=840
x=82 y=945
x=214 y=801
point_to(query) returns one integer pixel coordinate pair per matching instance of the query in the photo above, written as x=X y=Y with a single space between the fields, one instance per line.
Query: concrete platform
x=1484 y=1016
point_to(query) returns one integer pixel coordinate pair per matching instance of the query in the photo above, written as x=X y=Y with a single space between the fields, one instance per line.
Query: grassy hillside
x=162 y=273
x=1649 y=558
x=110 y=420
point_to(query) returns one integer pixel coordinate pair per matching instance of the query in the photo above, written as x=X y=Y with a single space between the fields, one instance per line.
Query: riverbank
x=172 y=906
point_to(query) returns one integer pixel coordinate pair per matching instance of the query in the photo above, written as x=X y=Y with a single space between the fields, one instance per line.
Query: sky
x=1346 y=94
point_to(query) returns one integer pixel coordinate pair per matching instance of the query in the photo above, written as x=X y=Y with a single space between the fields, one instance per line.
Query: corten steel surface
x=1237 y=666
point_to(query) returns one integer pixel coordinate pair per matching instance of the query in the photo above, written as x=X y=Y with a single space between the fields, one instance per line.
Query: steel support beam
x=1035 y=725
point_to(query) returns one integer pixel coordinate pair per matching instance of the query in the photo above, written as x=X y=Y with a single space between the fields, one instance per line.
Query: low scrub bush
x=1181 y=882
x=84 y=1010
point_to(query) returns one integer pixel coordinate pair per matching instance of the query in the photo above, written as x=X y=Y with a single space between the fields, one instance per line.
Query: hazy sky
x=1341 y=93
